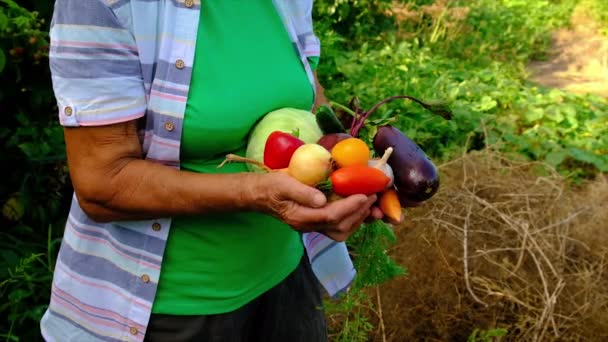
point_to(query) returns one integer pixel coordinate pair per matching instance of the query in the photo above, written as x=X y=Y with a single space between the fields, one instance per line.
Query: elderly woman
x=160 y=245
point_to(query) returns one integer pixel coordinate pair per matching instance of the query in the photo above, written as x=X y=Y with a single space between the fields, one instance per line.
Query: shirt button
x=68 y=111
x=179 y=64
x=156 y=226
x=189 y=3
x=145 y=278
x=169 y=126
x=133 y=330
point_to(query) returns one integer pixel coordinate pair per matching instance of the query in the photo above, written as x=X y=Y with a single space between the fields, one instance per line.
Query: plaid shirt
x=120 y=60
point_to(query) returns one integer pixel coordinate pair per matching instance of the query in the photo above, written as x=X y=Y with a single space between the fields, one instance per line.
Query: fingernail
x=319 y=200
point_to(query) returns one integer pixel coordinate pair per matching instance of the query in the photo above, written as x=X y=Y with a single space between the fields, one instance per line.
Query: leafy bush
x=491 y=99
x=599 y=11
x=490 y=102
x=34 y=187
x=355 y=21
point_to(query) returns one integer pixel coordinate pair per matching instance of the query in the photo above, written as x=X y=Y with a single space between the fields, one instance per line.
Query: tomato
x=351 y=151
x=358 y=179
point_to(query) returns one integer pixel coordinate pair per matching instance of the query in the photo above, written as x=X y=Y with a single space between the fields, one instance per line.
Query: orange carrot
x=390 y=206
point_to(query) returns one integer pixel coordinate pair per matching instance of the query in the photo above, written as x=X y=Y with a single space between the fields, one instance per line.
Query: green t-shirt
x=245 y=66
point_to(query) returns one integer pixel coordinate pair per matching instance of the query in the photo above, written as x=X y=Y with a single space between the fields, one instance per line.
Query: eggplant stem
x=235 y=158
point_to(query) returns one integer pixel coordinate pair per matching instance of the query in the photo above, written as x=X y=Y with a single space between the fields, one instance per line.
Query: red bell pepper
x=279 y=148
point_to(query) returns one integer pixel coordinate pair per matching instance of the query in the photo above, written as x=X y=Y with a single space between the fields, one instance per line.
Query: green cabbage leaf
x=300 y=123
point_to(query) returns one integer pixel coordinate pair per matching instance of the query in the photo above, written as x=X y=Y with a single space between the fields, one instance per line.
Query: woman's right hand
x=306 y=209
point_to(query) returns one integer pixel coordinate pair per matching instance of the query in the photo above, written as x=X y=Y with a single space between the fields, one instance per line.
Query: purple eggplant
x=416 y=177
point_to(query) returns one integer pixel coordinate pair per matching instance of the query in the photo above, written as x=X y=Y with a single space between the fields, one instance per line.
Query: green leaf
x=4 y=132
x=29 y=149
x=371 y=133
x=554 y=158
x=3 y=21
x=534 y=114
x=19 y=294
x=2 y=60
x=585 y=156
x=23 y=119
x=555 y=114
x=9 y=258
x=13 y=209
x=370 y=243
x=486 y=104
x=325 y=186
x=296 y=133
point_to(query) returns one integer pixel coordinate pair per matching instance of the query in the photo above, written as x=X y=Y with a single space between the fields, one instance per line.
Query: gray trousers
x=291 y=311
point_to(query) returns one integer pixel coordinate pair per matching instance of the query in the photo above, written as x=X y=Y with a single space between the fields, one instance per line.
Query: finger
x=330 y=215
x=341 y=234
x=375 y=214
x=303 y=194
x=344 y=229
x=354 y=221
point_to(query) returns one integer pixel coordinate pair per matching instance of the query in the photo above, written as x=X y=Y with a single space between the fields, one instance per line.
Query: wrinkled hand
x=306 y=209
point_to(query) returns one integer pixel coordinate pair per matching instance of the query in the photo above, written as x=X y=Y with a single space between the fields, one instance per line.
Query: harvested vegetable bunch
x=292 y=141
x=415 y=176
x=348 y=170
x=313 y=165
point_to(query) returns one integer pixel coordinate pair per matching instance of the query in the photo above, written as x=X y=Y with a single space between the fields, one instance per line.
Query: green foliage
x=368 y=245
x=598 y=9
x=374 y=267
x=353 y=21
x=34 y=189
x=491 y=103
x=352 y=313
x=486 y=335
x=26 y=282
x=491 y=100
x=506 y=29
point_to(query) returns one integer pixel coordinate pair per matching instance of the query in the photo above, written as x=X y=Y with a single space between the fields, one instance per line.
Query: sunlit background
x=514 y=244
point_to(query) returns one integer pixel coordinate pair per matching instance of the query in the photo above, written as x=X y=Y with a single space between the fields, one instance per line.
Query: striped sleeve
x=95 y=68
x=301 y=11
x=311 y=43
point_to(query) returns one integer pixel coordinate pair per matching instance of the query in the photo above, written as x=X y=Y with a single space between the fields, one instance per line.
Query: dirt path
x=578 y=61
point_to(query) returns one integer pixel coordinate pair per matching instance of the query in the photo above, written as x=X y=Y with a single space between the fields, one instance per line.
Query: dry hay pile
x=501 y=246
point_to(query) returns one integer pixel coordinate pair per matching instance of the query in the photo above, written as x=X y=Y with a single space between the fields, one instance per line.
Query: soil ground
x=578 y=60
